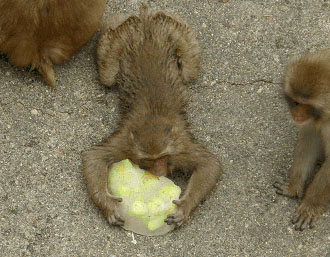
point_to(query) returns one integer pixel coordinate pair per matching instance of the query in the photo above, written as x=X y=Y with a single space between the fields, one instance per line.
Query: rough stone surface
x=236 y=109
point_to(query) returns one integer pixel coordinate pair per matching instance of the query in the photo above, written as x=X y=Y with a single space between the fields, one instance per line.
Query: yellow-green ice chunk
x=139 y=208
x=156 y=223
x=168 y=191
x=148 y=198
x=121 y=176
x=157 y=206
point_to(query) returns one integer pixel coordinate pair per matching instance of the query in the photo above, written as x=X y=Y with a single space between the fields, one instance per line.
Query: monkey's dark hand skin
x=307 y=91
x=282 y=188
x=307 y=214
x=150 y=57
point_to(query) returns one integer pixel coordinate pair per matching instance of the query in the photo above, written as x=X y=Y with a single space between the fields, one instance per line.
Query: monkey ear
x=114 y=36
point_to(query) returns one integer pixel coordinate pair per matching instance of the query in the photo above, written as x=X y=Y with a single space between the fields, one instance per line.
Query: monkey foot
x=179 y=217
x=284 y=189
x=305 y=217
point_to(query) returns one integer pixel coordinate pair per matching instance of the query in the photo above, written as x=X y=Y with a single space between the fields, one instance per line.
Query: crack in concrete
x=249 y=82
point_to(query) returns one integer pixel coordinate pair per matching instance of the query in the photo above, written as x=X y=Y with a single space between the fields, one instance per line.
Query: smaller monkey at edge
x=307 y=91
x=150 y=56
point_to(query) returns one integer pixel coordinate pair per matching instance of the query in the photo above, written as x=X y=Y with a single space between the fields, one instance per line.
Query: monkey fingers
x=114 y=198
x=283 y=189
x=179 y=217
x=178 y=202
x=115 y=219
x=303 y=221
x=111 y=212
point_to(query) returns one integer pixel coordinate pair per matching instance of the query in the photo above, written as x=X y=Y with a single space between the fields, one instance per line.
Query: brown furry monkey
x=150 y=57
x=307 y=90
x=41 y=33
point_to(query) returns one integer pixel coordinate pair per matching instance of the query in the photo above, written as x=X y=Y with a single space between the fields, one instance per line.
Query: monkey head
x=307 y=88
x=153 y=142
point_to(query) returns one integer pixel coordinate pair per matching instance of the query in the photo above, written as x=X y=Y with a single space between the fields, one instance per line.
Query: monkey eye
x=290 y=101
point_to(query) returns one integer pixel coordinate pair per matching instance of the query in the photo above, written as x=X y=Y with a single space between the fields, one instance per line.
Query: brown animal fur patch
x=41 y=33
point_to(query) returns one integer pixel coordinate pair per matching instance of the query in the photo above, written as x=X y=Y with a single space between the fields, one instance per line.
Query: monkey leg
x=111 y=44
x=188 y=53
x=308 y=151
x=206 y=173
x=187 y=48
x=315 y=200
x=96 y=163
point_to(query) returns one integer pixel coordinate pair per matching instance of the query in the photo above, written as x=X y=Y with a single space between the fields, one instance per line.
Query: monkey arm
x=202 y=181
x=308 y=150
x=206 y=173
x=315 y=200
x=96 y=163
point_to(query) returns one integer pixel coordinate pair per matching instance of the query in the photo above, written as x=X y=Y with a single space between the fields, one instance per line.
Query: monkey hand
x=306 y=216
x=287 y=190
x=110 y=209
x=181 y=215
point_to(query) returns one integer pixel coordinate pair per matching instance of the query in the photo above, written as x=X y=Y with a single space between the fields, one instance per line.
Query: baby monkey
x=150 y=57
x=307 y=91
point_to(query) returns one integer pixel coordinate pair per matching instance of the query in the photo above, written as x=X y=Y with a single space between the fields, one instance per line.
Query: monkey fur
x=150 y=57
x=41 y=33
x=307 y=90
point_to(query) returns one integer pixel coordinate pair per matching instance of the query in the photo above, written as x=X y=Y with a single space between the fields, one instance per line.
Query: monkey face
x=157 y=167
x=152 y=153
x=306 y=86
x=302 y=113
x=152 y=144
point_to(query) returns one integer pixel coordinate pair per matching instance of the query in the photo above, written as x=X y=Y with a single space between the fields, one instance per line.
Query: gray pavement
x=236 y=109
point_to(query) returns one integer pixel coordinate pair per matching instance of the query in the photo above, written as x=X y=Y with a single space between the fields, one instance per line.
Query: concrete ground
x=236 y=109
